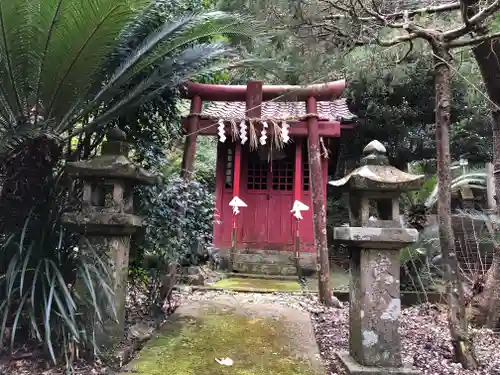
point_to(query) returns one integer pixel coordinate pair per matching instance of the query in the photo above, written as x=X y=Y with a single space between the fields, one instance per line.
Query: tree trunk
x=27 y=178
x=486 y=305
x=319 y=223
x=457 y=322
x=318 y=207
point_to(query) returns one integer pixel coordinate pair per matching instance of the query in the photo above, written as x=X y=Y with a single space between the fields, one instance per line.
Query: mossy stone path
x=268 y=285
x=263 y=339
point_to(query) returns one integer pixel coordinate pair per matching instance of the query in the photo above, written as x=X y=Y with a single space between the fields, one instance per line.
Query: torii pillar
x=189 y=155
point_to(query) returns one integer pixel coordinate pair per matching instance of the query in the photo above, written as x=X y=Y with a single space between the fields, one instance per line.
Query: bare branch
x=464 y=11
x=334 y=4
x=383 y=18
x=366 y=19
x=397 y=40
x=470 y=24
x=485 y=13
x=399 y=15
x=473 y=41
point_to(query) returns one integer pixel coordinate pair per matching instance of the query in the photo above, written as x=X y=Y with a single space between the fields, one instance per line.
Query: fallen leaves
x=425 y=341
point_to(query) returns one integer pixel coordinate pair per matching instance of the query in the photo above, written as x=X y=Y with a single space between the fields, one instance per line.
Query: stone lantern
x=374 y=239
x=106 y=222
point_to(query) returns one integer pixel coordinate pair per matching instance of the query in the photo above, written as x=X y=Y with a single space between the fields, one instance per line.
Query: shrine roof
x=335 y=110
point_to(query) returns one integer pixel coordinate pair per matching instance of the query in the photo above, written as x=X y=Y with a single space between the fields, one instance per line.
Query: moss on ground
x=259 y=284
x=190 y=347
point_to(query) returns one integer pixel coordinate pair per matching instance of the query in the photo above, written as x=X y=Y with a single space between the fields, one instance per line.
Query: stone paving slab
x=263 y=339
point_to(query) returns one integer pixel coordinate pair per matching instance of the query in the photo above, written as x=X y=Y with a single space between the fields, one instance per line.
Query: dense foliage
x=179 y=220
x=40 y=267
x=72 y=71
x=396 y=106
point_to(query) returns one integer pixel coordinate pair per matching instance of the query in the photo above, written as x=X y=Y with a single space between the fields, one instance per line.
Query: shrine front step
x=270 y=262
x=262 y=268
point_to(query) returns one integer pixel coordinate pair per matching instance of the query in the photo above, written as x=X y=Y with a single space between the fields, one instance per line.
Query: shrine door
x=268 y=190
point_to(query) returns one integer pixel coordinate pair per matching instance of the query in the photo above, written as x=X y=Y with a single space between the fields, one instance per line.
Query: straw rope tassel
x=253 y=136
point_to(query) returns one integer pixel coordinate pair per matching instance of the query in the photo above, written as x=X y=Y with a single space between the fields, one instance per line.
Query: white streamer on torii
x=243 y=132
x=222 y=131
x=263 y=133
x=284 y=132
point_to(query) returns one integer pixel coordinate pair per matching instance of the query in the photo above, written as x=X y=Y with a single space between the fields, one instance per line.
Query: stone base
x=354 y=368
x=268 y=262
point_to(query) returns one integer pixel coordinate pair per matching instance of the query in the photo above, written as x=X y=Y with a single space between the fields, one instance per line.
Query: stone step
x=264 y=268
x=268 y=258
x=260 y=276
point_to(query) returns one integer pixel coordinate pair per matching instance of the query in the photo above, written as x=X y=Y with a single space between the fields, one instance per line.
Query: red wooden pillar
x=220 y=180
x=318 y=203
x=253 y=110
x=297 y=183
x=297 y=194
x=236 y=193
x=189 y=155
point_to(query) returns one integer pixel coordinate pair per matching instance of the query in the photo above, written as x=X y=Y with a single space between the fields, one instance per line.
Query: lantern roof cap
x=375 y=173
x=111 y=166
x=113 y=163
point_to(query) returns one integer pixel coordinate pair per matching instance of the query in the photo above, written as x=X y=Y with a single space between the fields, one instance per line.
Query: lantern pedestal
x=375 y=304
x=374 y=241
x=354 y=368
x=105 y=222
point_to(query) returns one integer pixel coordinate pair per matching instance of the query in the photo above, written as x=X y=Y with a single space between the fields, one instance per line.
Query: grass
x=189 y=347
x=259 y=284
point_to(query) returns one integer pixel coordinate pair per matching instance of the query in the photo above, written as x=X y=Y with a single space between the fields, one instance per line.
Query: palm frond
x=14 y=140
x=204 y=25
x=56 y=56
x=47 y=47
x=14 y=51
x=174 y=40
x=53 y=9
x=172 y=37
x=86 y=33
x=473 y=180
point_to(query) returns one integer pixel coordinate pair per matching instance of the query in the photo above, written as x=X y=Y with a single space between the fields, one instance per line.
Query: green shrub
x=418 y=273
x=41 y=268
x=178 y=219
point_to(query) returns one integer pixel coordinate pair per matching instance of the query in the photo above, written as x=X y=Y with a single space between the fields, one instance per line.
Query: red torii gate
x=313 y=112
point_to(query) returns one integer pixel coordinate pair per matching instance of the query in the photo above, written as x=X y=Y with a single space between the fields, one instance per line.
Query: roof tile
x=335 y=110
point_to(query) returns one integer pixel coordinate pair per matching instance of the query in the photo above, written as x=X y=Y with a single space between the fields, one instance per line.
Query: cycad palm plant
x=475 y=179
x=67 y=68
x=64 y=63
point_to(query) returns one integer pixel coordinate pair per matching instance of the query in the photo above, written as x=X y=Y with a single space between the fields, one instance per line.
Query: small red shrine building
x=264 y=137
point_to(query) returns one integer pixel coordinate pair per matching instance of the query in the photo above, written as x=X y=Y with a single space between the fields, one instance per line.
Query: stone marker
x=106 y=222
x=374 y=239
